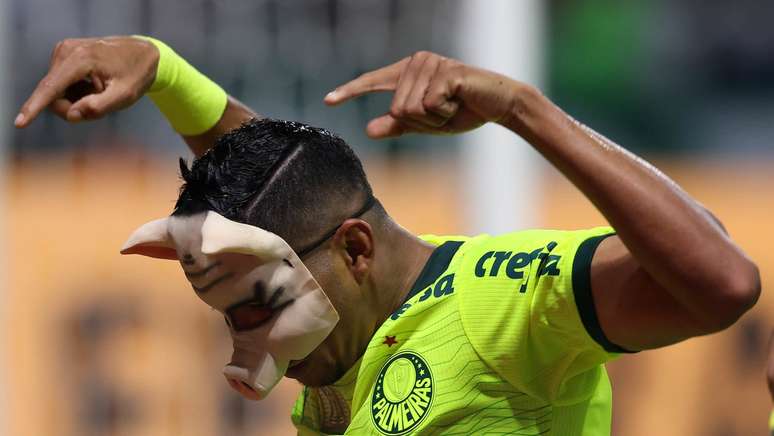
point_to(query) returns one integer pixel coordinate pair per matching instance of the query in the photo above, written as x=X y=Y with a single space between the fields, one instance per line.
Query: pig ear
x=151 y=239
x=221 y=235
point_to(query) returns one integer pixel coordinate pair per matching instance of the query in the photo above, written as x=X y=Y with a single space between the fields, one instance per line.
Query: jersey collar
x=437 y=263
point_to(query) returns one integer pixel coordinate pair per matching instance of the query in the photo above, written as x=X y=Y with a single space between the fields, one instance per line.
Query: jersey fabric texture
x=497 y=336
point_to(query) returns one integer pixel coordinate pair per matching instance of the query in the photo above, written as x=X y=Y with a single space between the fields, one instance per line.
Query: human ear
x=356 y=239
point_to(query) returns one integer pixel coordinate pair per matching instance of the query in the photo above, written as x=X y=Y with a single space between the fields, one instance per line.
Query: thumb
x=94 y=106
x=385 y=126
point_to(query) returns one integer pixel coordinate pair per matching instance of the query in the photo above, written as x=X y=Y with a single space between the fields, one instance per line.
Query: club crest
x=403 y=394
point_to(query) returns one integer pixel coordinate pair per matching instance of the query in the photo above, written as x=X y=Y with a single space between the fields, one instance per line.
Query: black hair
x=286 y=177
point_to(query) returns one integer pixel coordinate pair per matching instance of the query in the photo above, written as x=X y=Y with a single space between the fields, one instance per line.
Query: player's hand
x=92 y=77
x=432 y=94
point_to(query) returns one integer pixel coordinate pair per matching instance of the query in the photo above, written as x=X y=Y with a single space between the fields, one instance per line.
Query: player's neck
x=408 y=256
x=402 y=258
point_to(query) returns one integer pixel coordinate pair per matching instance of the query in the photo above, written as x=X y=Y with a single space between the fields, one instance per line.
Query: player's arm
x=670 y=273
x=235 y=114
x=91 y=77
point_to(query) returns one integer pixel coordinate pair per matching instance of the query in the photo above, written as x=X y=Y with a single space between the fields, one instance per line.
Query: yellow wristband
x=191 y=102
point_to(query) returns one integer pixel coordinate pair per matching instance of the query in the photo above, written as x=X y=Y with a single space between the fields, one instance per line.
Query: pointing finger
x=51 y=87
x=383 y=79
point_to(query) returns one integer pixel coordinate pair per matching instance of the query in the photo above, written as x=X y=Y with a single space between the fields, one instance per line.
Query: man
x=439 y=334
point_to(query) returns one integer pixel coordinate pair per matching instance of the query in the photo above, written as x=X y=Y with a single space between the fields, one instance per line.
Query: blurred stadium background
x=96 y=344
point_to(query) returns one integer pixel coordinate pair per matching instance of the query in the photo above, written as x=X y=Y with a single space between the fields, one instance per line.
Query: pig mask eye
x=251 y=314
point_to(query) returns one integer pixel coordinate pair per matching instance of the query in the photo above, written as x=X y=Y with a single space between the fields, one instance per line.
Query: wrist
x=527 y=104
x=162 y=65
x=191 y=102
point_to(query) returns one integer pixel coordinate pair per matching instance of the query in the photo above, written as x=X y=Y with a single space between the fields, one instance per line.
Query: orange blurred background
x=104 y=344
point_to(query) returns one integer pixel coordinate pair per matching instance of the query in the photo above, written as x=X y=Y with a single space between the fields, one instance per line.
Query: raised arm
x=671 y=272
x=233 y=116
x=91 y=77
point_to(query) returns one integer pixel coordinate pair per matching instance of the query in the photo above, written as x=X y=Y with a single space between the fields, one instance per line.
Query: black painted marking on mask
x=275 y=296
x=193 y=274
x=207 y=287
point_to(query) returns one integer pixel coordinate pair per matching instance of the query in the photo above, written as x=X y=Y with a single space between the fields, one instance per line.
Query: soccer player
x=438 y=334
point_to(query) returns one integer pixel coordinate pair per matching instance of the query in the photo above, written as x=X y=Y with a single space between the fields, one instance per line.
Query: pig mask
x=275 y=309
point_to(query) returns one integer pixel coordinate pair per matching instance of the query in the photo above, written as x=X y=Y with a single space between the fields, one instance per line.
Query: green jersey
x=498 y=335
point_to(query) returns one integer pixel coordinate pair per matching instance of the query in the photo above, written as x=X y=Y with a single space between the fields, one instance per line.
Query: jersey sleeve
x=527 y=308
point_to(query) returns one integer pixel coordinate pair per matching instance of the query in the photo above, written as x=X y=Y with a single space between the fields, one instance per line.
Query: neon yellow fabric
x=190 y=101
x=771 y=423
x=494 y=344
